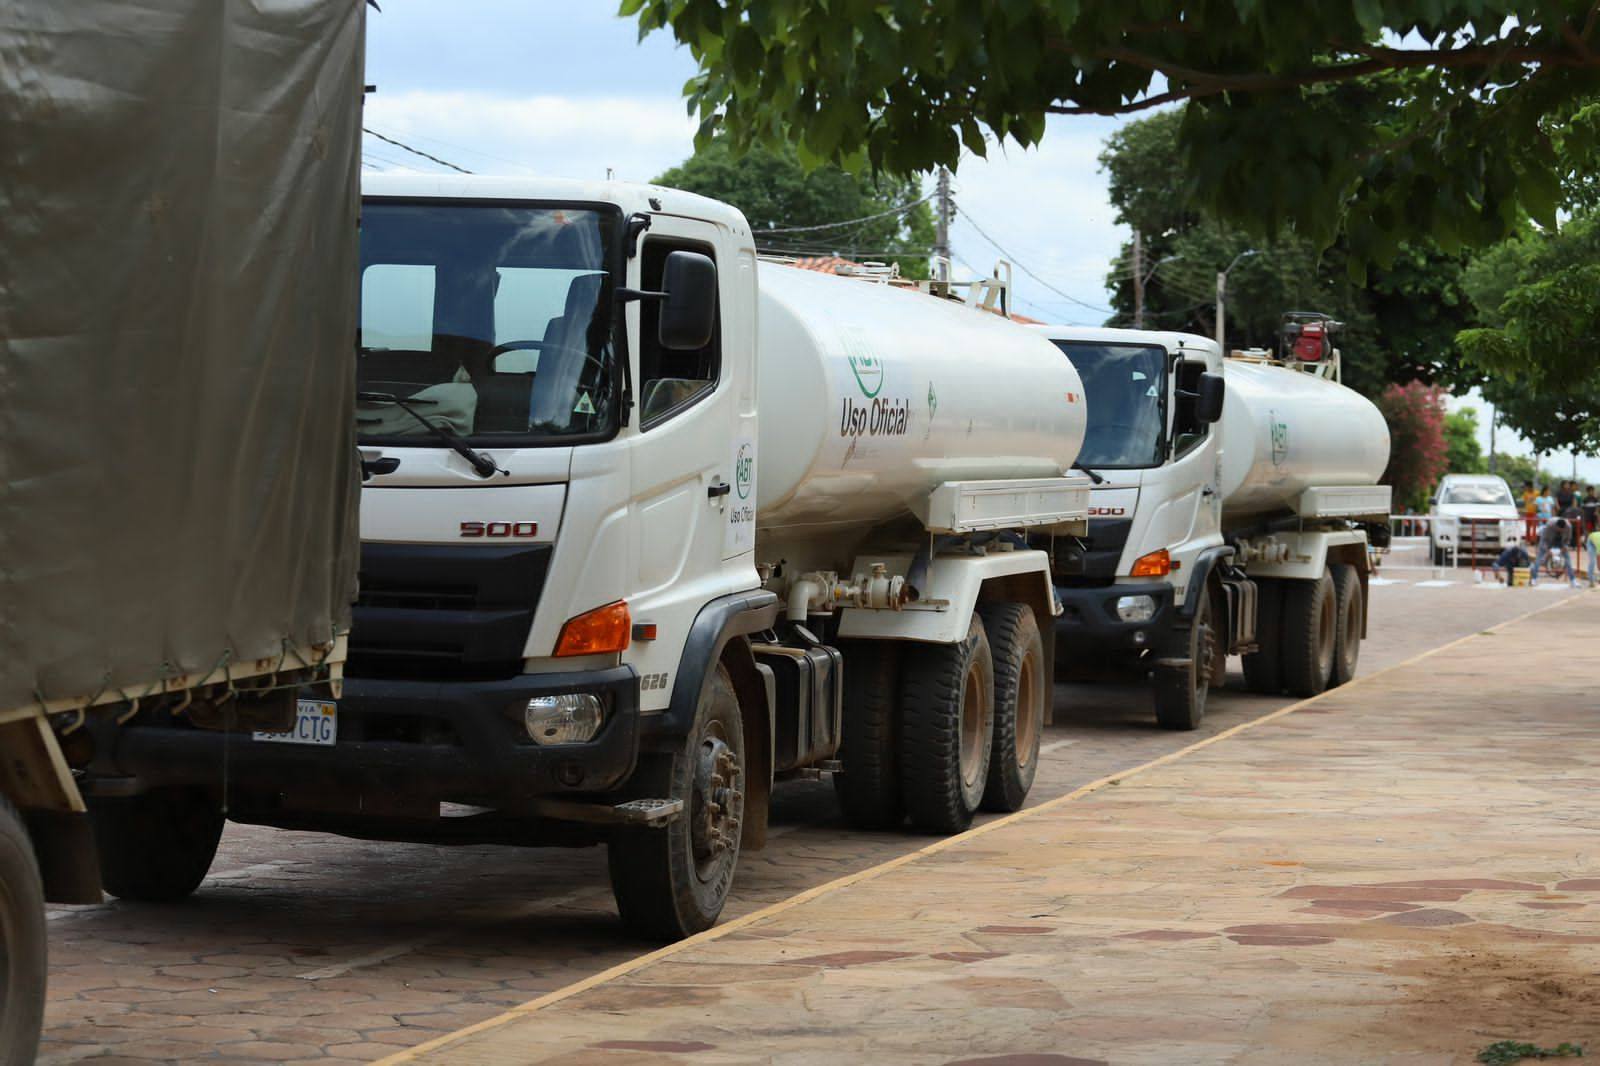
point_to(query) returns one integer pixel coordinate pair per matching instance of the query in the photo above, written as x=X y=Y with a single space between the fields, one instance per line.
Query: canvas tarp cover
x=178 y=270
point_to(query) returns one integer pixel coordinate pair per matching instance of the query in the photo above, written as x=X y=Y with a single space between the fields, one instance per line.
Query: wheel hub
x=1205 y=654
x=718 y=801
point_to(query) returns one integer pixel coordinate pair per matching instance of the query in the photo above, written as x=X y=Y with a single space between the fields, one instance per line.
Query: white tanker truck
x=634 y=551
x=1233 y=512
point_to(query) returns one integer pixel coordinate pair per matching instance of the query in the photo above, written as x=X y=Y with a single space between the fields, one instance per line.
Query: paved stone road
x=301 y=947
x=1402 y=871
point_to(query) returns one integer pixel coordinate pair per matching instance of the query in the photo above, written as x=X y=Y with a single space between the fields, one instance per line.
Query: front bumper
x=403 y=746
x=1089 y=630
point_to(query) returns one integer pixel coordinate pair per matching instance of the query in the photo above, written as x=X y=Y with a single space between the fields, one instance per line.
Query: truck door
x=1196 y=507
x=686 y=465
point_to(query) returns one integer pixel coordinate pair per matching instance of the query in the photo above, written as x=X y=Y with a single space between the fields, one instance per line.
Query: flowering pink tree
x=1415 y=413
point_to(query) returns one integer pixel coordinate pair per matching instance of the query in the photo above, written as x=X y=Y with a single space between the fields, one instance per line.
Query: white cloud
x=553 y=136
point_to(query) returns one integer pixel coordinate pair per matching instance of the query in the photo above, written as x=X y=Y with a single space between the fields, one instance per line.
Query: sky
x=564 y=88
x=559 y=88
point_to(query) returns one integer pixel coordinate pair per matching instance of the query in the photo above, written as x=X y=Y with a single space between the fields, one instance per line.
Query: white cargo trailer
x=653 y=526
x=1236 y=503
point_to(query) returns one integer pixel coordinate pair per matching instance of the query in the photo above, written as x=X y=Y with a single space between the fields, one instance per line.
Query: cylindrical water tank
x=871 y=396
x=1284 y=430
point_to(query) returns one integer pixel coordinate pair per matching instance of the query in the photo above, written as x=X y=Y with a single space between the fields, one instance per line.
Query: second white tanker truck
x=1235 y=502
x=651 y=526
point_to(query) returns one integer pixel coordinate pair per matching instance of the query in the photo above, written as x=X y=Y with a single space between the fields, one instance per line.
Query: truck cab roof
x=1111 y=335
x=630 y=197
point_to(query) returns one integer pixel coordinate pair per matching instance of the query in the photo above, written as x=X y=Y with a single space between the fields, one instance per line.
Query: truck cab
x=1155 y=514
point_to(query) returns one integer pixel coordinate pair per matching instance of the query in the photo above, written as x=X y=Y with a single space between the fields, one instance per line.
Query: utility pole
x=1138 y=280
x=1222 y=292
x=942 y=211
x=1222 y=298
x=1494 y=421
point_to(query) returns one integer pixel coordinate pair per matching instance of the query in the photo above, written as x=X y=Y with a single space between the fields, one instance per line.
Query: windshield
x=1124 y=387
x=492 y=321
x=1490 y=495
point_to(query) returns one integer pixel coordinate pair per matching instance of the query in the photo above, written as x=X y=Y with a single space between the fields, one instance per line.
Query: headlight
x=570 y=718
x=1136 y=608
x=1511 y=529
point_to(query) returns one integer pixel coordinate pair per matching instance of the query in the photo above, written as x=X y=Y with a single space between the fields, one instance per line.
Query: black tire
x=1347 y=641
x=1180 y=695
x=22 y=942
x=869 y=787
x=1021 y=692
x=1263 y=669
x=672 y=882
x=946 y=730
x=1310 y=631
x=156 y=847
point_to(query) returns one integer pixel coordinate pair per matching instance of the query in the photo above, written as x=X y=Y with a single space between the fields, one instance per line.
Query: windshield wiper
x=1096 y=478
x=485 y=466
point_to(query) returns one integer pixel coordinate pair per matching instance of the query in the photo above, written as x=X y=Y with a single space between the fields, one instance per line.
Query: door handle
x=721 y=488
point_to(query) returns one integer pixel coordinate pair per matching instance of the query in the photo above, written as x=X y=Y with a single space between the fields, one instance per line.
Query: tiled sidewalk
x=1406 y=870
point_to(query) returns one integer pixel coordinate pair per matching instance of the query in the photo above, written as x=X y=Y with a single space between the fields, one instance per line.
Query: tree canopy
x=1399 y=326
x=1539 y=297
x=1381 y=120
x=795 y=210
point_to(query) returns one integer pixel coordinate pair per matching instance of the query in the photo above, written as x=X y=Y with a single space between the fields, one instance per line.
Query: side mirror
x=689 y=312
x=1209 y=391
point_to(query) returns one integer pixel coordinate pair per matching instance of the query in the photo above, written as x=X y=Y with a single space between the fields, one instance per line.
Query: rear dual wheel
x=1021 y=689
x=946 y=730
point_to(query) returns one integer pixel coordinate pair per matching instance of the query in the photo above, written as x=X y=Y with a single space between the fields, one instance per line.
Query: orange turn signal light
x=601 y=631
x=1155 y=564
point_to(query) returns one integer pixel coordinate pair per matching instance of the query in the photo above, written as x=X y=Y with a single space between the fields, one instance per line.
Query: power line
x=1023 y=267
x=851 y=221
x=415 y=151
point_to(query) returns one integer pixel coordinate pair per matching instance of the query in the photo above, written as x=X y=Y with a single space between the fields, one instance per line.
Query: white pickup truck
x=1472 y=518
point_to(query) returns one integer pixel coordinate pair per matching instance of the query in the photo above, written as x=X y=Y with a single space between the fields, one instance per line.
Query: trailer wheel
x=1180 y=695
x=672 y=882
x=946 y=730
x=1021 y=690
x=1347 y=641
x=1263 y=668
x=1310 y=631
x=156 y=847
x=869 y=787
x=22 y=941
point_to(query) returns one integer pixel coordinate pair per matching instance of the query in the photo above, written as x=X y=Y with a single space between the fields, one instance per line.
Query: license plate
x=316 y=722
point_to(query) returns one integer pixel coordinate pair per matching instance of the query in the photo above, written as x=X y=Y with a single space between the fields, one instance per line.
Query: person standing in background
x=1545 y=505
x=1566 y=496
x=1529 y=495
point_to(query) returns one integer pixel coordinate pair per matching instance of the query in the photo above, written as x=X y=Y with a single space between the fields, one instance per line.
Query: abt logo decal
x=499 y=529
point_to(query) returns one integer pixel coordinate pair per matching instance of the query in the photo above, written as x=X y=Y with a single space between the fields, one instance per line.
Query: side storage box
x=810 y=702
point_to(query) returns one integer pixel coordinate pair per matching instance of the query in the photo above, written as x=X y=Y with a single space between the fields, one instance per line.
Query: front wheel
x=946 y=730
x=156 y=847
x=672 y=882
x=1020 y=691
x=1180 y=694
x=22 y=941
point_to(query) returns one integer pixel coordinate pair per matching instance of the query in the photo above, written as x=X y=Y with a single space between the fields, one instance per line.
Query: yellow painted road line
x=874 y=872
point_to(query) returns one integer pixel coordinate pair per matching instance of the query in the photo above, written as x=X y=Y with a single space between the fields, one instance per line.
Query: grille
x=445 y=612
